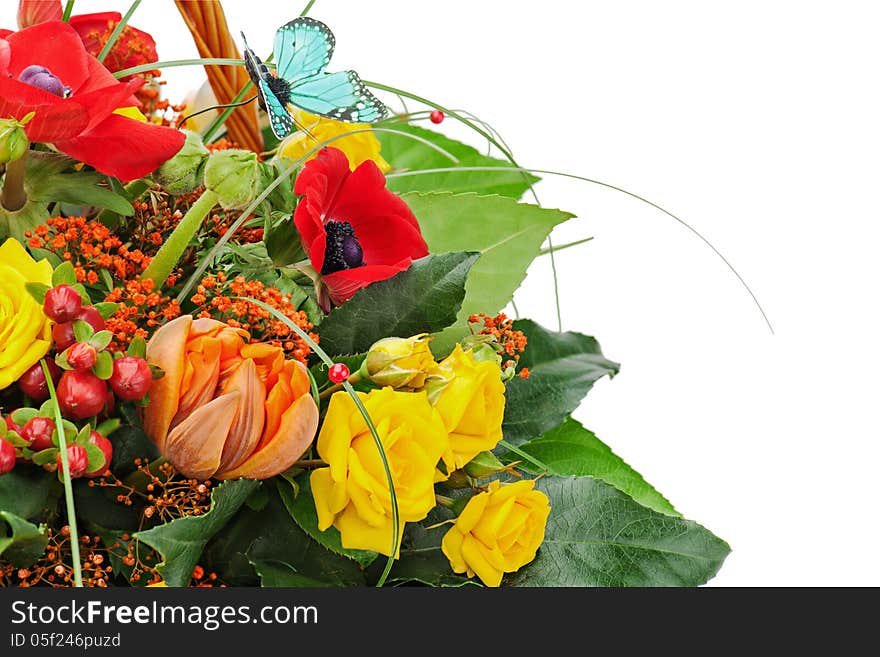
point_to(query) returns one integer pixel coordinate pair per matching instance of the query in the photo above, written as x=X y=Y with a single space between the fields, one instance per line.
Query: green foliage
x=130 y=443
x=507 y=235
x=597 y=536
x=406 y=154
x=181 y=541
x=21 y=542
x=570 y=449
x=563 y=366
x=423 y=299
x=422 y=560
x=25 y=491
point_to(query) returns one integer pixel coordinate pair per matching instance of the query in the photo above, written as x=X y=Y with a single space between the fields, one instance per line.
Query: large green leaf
x=301 y=506
x=422 y=560
x=47 y=182
x=181 y=541
x=21 y=543
x=597 y=536
x=563 y=366
x=508 y=235
x=284 y=555
x=423 y=299
x=406 y=154
x=25 y=491
x=571 y=449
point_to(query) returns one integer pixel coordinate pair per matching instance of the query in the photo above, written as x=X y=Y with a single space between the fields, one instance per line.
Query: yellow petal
x=322 y=492
x=472 y=551
x=358 y=535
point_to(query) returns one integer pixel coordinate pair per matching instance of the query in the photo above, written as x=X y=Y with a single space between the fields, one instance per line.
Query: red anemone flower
x=353 y=229
x=45 y=69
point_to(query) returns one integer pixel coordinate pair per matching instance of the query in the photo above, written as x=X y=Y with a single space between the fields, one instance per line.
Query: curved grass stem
x=172 y=63
x=117 y=31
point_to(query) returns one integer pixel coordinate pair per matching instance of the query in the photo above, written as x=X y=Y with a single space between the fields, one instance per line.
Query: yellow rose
x=469 y=395
x=25 y=332
x=498 y=532
x=400 y=362
x=358 y=147
x=352 y=493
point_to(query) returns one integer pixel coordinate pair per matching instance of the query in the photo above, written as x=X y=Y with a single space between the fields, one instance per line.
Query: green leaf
x=283 y=244
x=45 y=457
x=101 y=339
x=405 y=154
x=130 y=443
x=25 y=491
x=571 y=449
x=508 y=235
x=82 y=331
x=284 y=555
x=37 y=291
x=21 y=543
x=181 y=541
x=106 y=308
x=137 y=348
x=97 y=460
x=103 y=367
x=597 y=536
x=47 y=182
x=563 y=366
x=302 y=509
x=64 y=274
x=98 y=505
x=422 y=560
x=423 y=299
x=16 y=224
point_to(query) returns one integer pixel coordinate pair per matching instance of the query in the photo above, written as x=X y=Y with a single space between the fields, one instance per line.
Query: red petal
x=54 y=45
x=100 y=103
x=55 y=118
x=343 y=284
x=125 y=148
x=33 y=12
x=5 y=52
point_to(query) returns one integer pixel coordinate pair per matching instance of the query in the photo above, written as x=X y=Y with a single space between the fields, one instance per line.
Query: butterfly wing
x=302 y=49
x=341 y=96
x=279 y=118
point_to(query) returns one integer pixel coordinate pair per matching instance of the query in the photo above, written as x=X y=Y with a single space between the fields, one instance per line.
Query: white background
x=757 y=122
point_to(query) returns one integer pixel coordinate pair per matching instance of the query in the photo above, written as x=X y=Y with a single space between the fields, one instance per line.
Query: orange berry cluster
x=55 y=567
x=510 y=341
x=217 y=294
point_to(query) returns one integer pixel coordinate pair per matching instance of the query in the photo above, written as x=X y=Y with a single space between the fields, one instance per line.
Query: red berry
x=131 y=378
x=12 y=426
x=437 y=116
x=81 y=394
x=33 y=382
x=105 y=446
x=62 y=303
x=82 y=356
x=38 y=432
x=77 y=459
x=62 y=333
x=338 y=372
x=7 y=457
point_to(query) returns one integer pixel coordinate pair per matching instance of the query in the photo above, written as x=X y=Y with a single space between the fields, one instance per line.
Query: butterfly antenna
x=244 y=40
x=303 y=128
x=183 y=121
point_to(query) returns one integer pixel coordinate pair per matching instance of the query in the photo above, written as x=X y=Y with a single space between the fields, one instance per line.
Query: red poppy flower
x=45 y=69
x=353 y=229
x=132 y=48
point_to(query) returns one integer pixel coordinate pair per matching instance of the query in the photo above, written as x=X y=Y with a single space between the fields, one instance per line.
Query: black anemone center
x=343 y=249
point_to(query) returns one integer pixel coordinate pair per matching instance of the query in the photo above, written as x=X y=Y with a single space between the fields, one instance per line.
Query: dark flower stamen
x=343 y=249
x=42 y=78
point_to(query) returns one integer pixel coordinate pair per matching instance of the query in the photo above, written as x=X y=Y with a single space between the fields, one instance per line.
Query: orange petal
x=166 y=350
x=195 y=445
x=199 y=385
x=298 y=426
x=246 y=429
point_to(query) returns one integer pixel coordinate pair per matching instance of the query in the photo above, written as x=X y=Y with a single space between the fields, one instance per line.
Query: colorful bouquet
x=245 y=345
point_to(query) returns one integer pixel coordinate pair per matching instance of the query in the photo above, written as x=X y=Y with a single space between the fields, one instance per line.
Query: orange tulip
x=225 y=408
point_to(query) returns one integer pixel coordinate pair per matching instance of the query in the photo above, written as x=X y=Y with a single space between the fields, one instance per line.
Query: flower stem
x=308 y=6
x=354 y=379
x=169 y=255
x=68 y=10
x=13 y=197
x=68 y=485
x=114 y=35
x=310 y=463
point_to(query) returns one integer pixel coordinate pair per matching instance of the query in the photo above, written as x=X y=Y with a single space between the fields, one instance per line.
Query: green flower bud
x=399 y=362
x=485 y=464
x=13 y=139
x=185 y=171
x=234 y=176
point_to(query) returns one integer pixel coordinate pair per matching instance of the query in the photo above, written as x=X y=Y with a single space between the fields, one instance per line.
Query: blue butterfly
x=302 y=50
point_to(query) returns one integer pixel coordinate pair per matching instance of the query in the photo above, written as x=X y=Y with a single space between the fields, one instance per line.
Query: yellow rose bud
x=25 y=332
x=469 y=395
x=359 y=147
x=352 y=493
x=498 y=532
x=399 y=362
